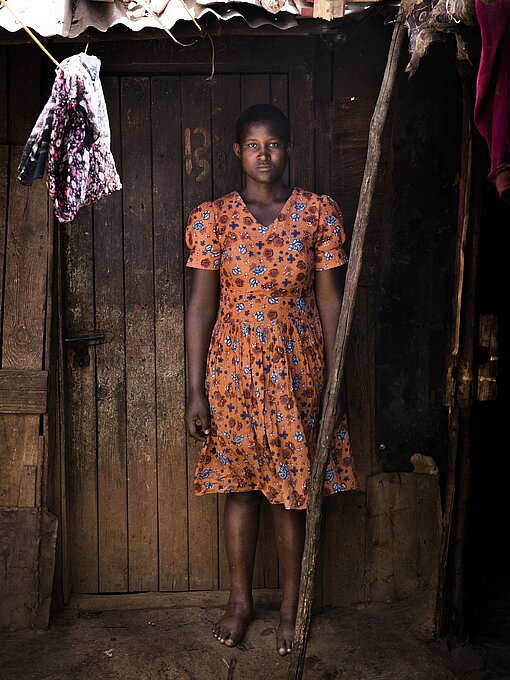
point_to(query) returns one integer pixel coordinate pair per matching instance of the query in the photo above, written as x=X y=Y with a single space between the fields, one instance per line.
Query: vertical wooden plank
x=4 y=169
x=280 y=98
x=360 y=386
x=25 y=71
x=322 y=83
x=52 y=427
x=81 y=464
x=227 y=176
x=64 y=523
x=343 y=549
x=110 y=374
x=197 y=187
x=4 y=183
x=23 y=329
x=140 y=357
x=403 y=535
x=266 y=573
x=301 y=104
x=357 y=74
x=25 y=272
x=255 y=89
x=3 y=95
x=19 y=435
x=280 y=91
x=225 y=110
x=169 y=329
x=322 y=64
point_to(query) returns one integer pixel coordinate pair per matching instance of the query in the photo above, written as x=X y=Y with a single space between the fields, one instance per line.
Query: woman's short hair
x=258 y=113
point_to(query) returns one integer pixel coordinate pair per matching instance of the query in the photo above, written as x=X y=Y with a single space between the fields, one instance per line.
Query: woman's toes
x=285 y=647
x=221 y=635
x=233 y=624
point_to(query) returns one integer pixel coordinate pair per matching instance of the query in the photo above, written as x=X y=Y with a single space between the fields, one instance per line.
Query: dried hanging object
x=429 y=21
x=273 y=6
x=137 y=10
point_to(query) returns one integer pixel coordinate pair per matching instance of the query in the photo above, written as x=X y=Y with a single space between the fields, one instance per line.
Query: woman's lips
x=264 y=166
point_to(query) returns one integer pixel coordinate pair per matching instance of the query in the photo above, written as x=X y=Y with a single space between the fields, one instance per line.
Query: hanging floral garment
x=72 y=137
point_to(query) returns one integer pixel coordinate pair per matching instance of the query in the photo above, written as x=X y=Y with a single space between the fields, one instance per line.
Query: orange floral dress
x=265 y=367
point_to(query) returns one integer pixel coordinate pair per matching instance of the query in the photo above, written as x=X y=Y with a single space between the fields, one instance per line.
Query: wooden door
x=134 y=523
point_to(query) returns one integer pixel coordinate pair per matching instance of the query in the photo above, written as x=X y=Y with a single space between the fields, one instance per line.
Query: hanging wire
x=213 y=58
x=32 y=35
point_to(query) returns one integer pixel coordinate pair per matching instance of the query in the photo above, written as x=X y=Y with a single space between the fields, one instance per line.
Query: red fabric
x=492 y=107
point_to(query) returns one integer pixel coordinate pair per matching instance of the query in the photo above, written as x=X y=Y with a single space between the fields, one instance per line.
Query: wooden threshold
x=196 y=598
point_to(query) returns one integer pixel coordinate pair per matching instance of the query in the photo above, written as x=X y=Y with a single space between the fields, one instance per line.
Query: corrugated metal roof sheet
x=70 y=18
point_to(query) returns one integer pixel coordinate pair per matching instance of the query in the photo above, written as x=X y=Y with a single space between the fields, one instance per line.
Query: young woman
x=260 y=330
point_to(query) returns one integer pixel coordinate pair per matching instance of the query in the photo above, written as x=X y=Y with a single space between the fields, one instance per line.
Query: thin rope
x=32 y=35
x=191 y=15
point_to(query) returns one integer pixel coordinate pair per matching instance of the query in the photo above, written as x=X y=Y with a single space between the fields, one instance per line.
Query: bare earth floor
x=369 y=642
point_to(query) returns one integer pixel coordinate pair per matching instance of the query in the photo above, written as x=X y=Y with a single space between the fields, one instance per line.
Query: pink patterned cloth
x=492 y=107
x=72 y=134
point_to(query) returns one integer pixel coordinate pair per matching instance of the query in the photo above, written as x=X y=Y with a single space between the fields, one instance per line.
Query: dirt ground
x=369 y=642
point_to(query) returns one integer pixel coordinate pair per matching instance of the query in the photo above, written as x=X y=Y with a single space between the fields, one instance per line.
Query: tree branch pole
x=314 y=512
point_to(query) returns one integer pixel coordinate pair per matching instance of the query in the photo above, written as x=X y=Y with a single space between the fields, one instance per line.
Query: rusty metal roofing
x=70 y=18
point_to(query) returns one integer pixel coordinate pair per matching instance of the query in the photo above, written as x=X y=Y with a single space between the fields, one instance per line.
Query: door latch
x=80 y=343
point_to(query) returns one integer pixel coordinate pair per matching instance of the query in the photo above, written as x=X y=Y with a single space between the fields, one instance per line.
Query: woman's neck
x=255 y=192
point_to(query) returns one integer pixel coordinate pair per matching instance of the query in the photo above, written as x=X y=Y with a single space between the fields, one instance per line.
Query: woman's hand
x=198 y=416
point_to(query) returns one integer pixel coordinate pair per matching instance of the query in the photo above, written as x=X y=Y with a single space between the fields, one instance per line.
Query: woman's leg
x=241 y=531
x=289 y=528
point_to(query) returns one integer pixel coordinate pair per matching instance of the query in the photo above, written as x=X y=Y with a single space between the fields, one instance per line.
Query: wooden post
x=328 y=419
x=450 y=614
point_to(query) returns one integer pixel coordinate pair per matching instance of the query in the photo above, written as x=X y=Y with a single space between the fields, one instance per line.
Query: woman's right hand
x=198 y=417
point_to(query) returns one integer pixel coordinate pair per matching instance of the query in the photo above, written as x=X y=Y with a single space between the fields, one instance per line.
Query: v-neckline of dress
x=284 y=207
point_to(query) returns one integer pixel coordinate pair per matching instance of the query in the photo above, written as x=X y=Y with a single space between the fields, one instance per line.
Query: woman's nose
x=264 y=152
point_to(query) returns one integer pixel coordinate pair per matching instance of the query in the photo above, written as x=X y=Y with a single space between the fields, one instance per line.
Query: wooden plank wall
x=134 y=249
x=417 y=254
x=110 y=382
x=357 y=73
x=26 y=527
x=396 y=355
x=169 y=335
x=24 y=237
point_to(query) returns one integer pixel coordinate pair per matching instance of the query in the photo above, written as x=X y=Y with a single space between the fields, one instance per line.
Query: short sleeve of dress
x=329 y=252
x=202 y=239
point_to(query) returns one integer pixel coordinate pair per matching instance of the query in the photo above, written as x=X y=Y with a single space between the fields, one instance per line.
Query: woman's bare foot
x=285 y=632
x=232 y=626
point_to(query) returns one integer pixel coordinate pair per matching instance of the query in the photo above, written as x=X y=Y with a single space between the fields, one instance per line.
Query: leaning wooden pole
x=314 y=512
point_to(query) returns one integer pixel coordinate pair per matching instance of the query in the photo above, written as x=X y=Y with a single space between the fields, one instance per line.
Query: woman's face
x=263 y=151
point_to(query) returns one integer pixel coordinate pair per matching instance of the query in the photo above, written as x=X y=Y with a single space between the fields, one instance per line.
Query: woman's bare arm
x=200 y=317
x=328 y=293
